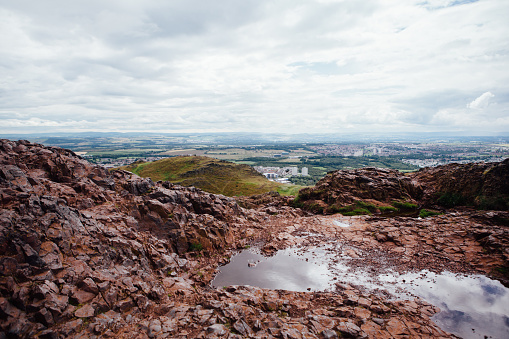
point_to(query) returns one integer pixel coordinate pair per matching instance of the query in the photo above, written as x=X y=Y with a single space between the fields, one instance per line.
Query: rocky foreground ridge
x=89 y=253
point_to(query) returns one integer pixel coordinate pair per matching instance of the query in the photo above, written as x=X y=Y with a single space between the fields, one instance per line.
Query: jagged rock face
x=347 y=186
x=77 y=241
x=479 y=184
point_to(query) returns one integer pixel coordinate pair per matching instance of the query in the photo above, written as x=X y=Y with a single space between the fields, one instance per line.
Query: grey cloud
x=427 y=104
x=439 y=4
x=305 y=65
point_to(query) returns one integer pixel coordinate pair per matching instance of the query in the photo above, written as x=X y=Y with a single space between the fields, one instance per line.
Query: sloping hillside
x=209 y=174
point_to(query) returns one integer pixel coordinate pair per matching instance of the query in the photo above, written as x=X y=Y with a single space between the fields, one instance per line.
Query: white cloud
x=482 y=101
x=301 y=66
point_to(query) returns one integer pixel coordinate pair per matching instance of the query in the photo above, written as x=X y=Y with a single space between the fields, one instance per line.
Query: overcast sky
x=289 y=66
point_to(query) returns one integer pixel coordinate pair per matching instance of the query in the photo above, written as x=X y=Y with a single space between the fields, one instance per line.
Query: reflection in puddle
x=472 y=306
x=285 y=270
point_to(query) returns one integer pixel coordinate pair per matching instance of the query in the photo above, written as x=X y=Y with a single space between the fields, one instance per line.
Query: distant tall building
x=304 y=171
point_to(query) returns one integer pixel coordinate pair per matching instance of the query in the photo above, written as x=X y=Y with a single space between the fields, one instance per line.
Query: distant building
x=294 y=170
x=304 y=171
x=271 y=175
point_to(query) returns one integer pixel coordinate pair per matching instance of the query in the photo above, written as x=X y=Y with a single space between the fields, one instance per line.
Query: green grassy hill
x=209 y=174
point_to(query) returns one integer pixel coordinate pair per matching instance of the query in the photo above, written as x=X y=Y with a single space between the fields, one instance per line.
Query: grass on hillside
x=211 y=175
x=289 y=189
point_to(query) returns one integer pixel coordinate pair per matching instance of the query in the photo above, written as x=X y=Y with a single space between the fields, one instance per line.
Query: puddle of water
x=285 y=270
x=340 y=224
x=472 y=306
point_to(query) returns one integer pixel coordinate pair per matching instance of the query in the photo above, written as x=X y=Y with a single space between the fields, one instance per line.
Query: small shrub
x=503 y=271
x=449 y=200
x=493 y=203
x=195 y=247
x=428 y=213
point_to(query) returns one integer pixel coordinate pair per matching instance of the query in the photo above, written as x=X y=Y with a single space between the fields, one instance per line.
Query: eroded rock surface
x=482 y=185
x=342 y=188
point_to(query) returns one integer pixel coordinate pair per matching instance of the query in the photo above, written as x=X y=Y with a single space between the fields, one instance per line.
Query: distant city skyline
x=324 y=66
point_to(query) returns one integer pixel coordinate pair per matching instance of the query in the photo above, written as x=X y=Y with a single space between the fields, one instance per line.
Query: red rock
x=82 y=296
x=243 y=328
x=396 y=327
x=125 y=305
x=372 y=329
x=348 y=328
x=85 y=312
x=8 y=265
x=362 y=313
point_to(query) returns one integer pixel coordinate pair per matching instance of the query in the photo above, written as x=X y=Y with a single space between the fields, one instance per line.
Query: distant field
x=243 y=153
x=187 y=151
x=122 y=152
x=208 y=174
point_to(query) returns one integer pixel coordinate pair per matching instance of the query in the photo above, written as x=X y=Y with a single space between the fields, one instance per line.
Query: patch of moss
x=314 y=207
x=387 y=209
x=404 y=205
x=361 y=211
x=365 y=205
x=359 y=208
x=424 y=213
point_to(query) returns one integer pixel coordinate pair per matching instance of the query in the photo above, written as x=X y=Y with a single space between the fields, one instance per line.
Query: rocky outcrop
x=482 y=185
x=77 y=241
x=345 y=187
